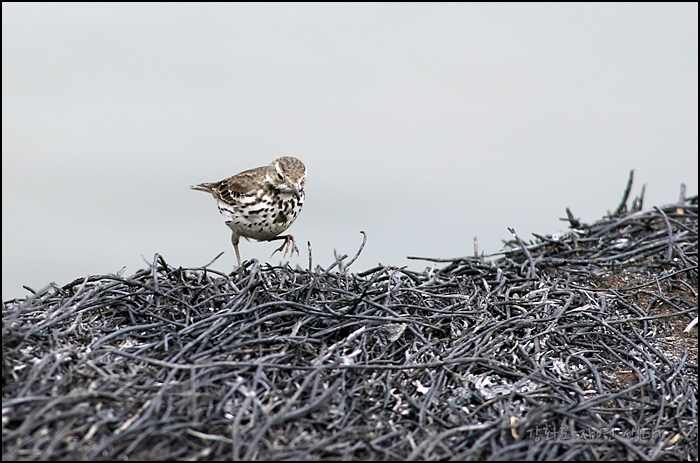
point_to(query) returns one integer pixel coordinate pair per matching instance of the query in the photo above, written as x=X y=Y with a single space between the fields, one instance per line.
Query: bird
x=261 y=203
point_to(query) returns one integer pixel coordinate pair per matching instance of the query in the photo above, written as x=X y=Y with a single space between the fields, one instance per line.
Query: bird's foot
x=288 y=245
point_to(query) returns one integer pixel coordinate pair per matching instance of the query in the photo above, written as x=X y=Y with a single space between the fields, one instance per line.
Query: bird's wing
x=233 y=187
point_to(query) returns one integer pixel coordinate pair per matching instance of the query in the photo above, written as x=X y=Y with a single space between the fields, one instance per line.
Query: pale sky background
x=422 y=124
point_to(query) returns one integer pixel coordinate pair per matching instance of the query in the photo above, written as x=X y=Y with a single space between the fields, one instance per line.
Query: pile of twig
x=572 y=347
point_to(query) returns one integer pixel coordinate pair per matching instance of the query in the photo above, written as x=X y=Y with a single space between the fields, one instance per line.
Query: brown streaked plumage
x=261 y=203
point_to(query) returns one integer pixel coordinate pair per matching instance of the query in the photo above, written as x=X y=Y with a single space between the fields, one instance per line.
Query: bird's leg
x=234 y=239
x=288 y=243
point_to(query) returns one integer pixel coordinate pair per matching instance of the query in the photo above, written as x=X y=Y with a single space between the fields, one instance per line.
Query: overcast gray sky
x=422 y=124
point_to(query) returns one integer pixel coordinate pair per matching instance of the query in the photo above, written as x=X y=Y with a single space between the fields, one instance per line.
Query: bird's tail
x=206 y=187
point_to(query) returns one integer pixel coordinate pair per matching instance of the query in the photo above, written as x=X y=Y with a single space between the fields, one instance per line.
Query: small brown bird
x=261 y=203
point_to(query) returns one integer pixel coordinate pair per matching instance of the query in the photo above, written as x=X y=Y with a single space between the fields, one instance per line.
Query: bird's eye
x=279 y=176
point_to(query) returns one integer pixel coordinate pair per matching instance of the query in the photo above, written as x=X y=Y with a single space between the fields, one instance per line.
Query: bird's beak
x=297 y=190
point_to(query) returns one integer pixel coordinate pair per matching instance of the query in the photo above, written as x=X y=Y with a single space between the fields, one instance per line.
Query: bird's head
x=287 y=174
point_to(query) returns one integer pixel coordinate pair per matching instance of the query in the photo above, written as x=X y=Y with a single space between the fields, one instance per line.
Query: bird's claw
x=288 y=245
